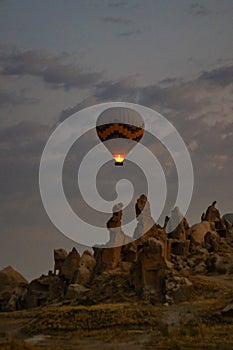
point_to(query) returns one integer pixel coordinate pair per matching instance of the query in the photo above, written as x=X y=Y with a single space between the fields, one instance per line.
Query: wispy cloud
x=8 y=98
x=87 y=102
x=130 y=33
x=117 y=4
x=49 y=67
x=220 y=76
x=170 y=81
x=111 y=90
x=172 y=93
x=198 y=9
x=116 y=20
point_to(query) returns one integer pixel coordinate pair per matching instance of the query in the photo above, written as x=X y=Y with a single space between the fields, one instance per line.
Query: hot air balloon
x=117 y=127
x=229 y=217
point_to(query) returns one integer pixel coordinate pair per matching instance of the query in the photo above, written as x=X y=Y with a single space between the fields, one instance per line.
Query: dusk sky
x=57 y=57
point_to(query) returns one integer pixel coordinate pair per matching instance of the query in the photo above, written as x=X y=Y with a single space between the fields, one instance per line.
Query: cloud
x=198 y=107
x=198 y=9
x=70 y=76
x=171 y=94
x=8 y=98
x=89 y=101
x=170 y=81
x=221 y=76
x=201 y=110
x=24 y=132
x=117 y=4
x=219 y=141
x=177 y=97
x=116 y=20
x=49 y=67
x=130 y=33
x=203 y=97
x=125 y=88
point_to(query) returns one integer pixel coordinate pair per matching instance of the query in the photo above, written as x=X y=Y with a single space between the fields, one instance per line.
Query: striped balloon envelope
x=120 y=129
x=229 y=217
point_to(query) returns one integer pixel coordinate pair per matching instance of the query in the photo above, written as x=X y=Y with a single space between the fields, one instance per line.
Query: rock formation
x=145 y=221
x=148 y=272
x=70 y=265
x=177 y=225
x=212 y=214
x=108 y=256
x=197 y=232
x=156 y=266
x=59 y=257
x=12 y=288
x=177 y=288
x=117 y=236
x=44 y=290
x=85 y=270
x=146 y=226
x=176 y=229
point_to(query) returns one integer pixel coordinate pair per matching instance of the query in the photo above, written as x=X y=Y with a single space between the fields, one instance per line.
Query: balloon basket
x=119 y=164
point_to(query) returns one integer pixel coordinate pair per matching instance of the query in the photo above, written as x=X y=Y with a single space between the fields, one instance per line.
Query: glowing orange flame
x=119 y=158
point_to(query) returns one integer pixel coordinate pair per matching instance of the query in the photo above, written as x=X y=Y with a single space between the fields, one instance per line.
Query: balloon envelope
x=120 y=129
x=229 y=217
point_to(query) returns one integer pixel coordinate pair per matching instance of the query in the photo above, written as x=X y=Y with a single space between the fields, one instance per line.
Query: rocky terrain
x=175 y=280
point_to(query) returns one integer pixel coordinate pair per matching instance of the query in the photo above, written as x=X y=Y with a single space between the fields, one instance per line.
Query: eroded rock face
x=44 y=290
x=17 y=300
x=70 y=265
x=211 y=241
x=108 y=256
x=177 y=288
x=149 y=270
x=59 y=257
x=178 y=247
x=197 y=260
x=221 y=225
x=85 y=270
x=197 y=232
x=212 y=214
x=11 y=283
x=129 y=252
x=147 y=228
x=219 y=263
x=75 y=291
x=116 y=235
x=143 y=215
x=177 y=225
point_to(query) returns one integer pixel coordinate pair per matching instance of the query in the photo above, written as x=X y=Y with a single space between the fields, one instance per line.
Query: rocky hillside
x=164 y=266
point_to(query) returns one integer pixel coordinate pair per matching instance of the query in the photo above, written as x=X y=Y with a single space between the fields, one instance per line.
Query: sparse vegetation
x=190 y=325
